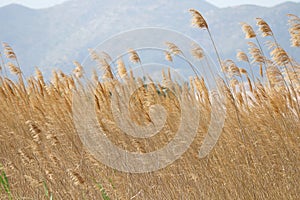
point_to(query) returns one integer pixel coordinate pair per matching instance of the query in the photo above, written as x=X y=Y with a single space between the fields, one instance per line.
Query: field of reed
x=256 y=157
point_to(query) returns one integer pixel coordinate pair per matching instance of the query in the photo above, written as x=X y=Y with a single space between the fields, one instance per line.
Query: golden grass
x=256 y=157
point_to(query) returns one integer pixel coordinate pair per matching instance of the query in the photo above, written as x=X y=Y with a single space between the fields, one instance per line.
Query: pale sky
x=33 y=3
x=219 y=3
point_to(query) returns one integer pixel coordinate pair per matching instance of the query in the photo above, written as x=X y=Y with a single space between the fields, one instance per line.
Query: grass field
x=256 y=157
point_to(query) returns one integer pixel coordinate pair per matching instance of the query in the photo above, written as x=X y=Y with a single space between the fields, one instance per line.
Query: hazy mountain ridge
x=58 y=35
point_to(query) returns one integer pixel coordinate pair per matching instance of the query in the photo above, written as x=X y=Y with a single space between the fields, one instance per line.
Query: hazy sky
x=224 y=3
x=220 y=3
x=33 y=3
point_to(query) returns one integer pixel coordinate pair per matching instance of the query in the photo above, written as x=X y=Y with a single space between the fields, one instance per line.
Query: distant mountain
x=56 y=36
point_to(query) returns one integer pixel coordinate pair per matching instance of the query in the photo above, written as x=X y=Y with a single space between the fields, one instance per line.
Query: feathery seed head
x=280 y=56
x=78 y=71
x=242 y=56
x=231 y=68
x=14 y=69
x=173 y=48
x=294 y=23
x=121 y=68
x=197 y=51
x=168 y=56
x=198 y=20
x=8 y=51
x=94 y=55
x=264 y=27
x=255 y=53
x=134 y=57
x=248 y=30
x=39 y=74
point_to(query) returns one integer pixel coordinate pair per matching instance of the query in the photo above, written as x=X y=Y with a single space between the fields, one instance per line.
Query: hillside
x=58 y=35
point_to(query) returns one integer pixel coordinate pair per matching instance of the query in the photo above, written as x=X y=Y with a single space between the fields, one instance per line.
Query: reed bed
x=256 y=157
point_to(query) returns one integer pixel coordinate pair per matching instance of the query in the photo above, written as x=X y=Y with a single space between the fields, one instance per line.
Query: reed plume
x=121 y=68
x=8 y=51
x=134 y=57
x=44 y=158
x=198 y=20
x=294 y=30
x=173 y=48
x=168 y=56
x=78 y=71
x=14 y=69
x=248 y=30
x=197 y=51
x=242 y=56
x=264 y=27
